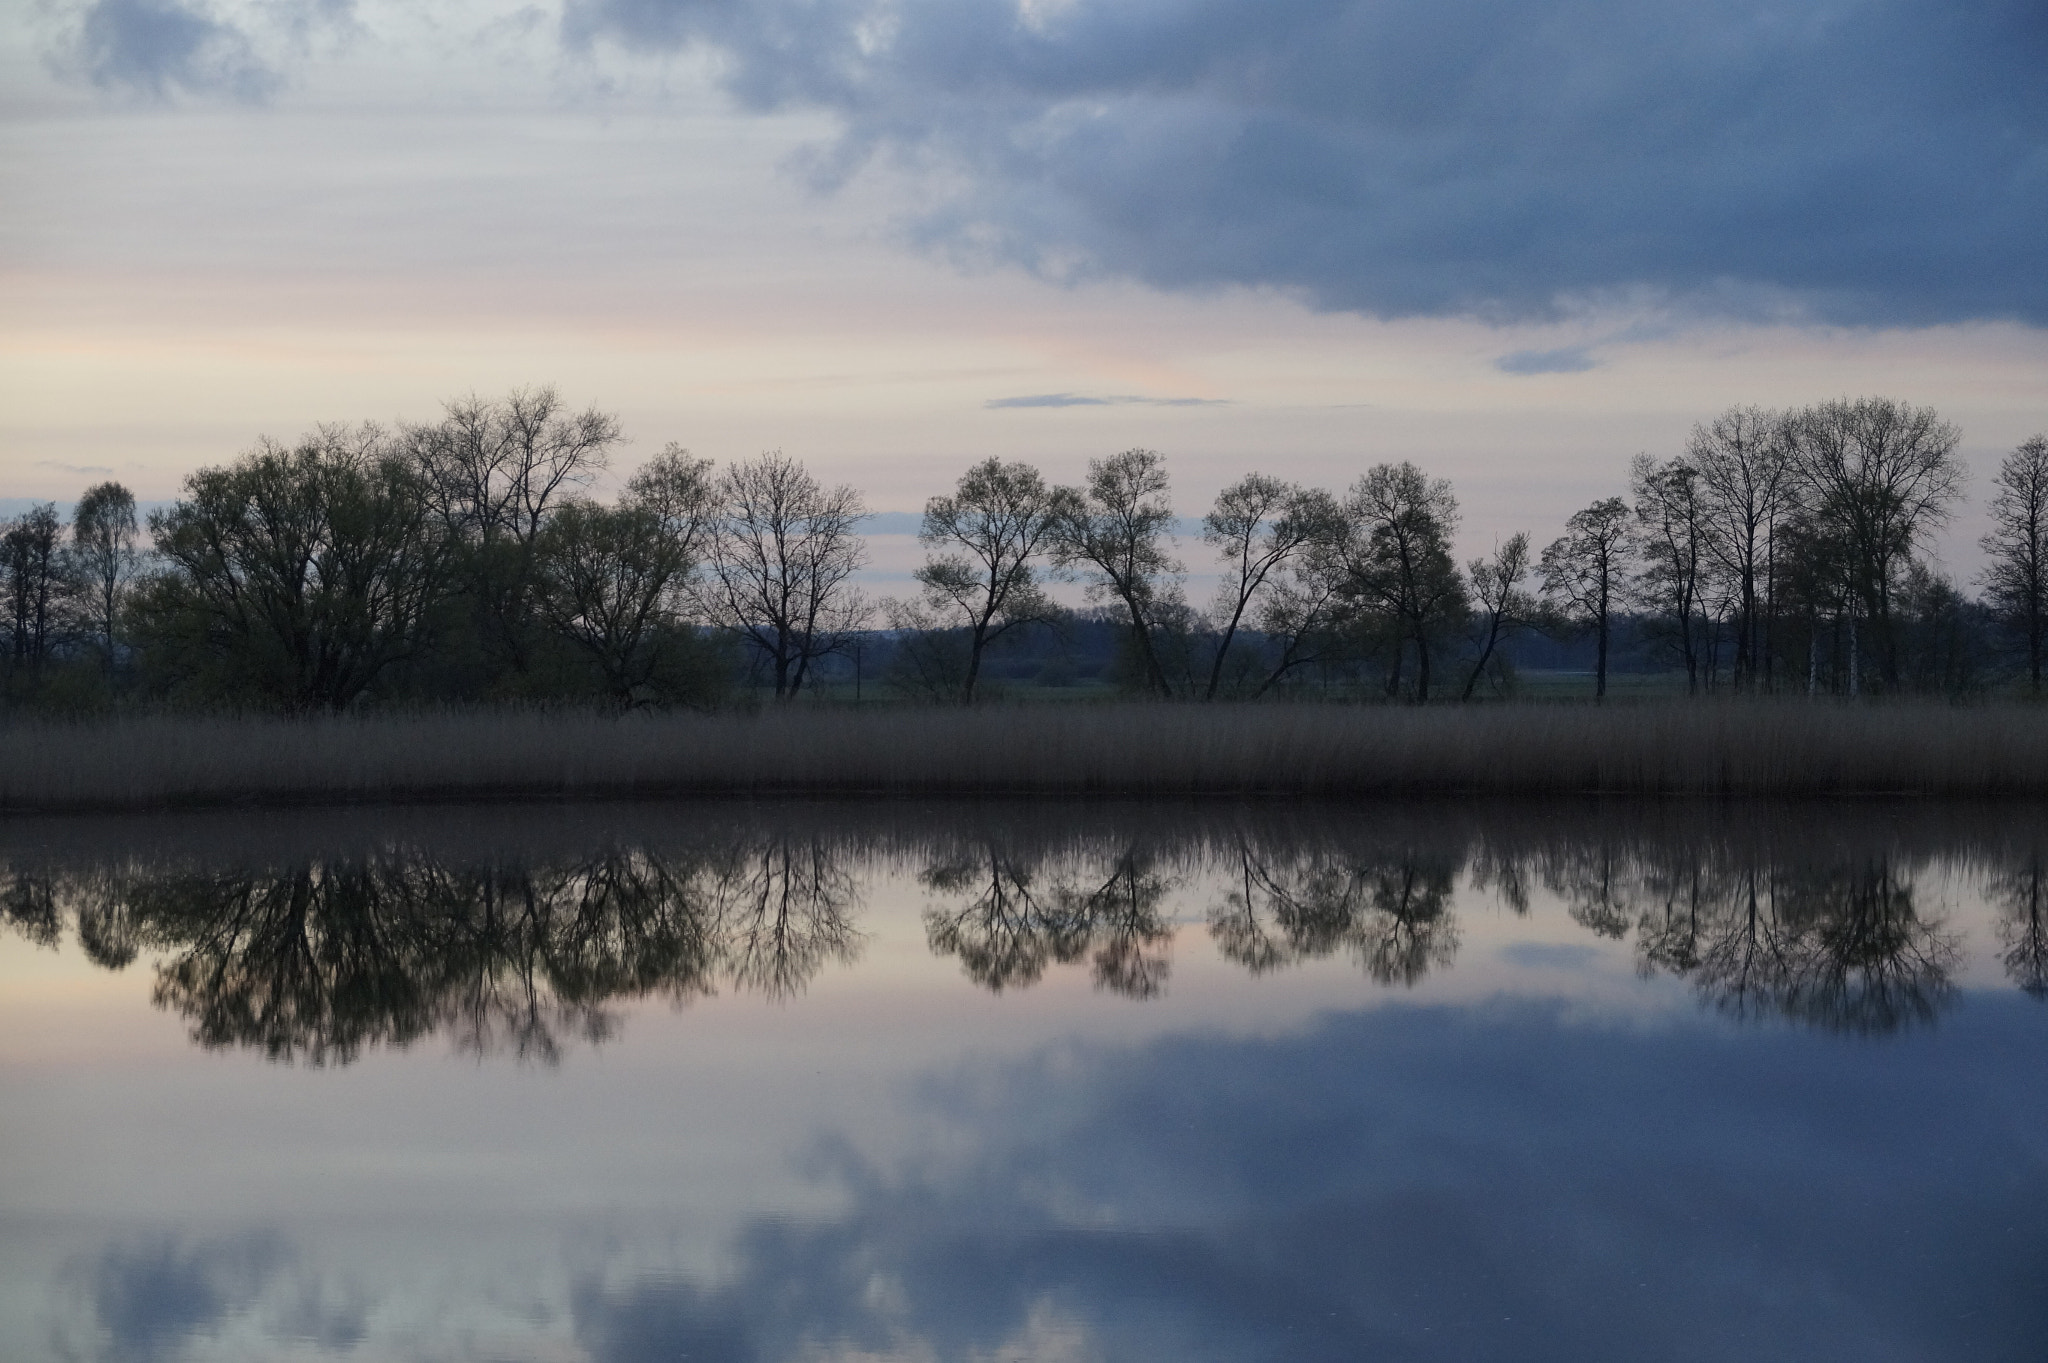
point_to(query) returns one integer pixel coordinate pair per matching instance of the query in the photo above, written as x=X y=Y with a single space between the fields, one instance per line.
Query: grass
x=1746 y=749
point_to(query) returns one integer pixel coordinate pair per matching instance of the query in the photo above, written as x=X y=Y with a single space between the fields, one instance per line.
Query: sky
x=1514 y=241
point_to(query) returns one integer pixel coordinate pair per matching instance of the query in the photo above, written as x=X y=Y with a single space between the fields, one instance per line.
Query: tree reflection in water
x=1023 y=911
x=1840 y=945
x=316 y=961
x=2018 y=893
x=1812 y=917
x=1843 y=947
x=1392 y=912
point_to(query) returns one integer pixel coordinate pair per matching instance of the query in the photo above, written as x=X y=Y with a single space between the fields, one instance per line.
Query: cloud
x=157 y=48
x=1571 y=359
x=155 y=1298
x=81 y=469
x=1506 y=1181
x=1862 y=162
x=151 y=1298
x=1114 y=400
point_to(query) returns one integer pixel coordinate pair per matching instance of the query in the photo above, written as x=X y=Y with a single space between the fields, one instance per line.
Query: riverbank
x=1738 y=749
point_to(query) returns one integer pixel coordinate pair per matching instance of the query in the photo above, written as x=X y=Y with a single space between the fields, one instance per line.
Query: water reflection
x=2018 y=892
x=318 y=960
x=1503 y=1181
x=1507 y=1180
x=1007 y=913
x=157 y=1296
x=529 y=934
x=1464 y=1130
x=1842 y=947
x=1391 y=912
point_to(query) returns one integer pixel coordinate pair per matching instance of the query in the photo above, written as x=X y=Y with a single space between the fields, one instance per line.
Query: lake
x=1121 y=1081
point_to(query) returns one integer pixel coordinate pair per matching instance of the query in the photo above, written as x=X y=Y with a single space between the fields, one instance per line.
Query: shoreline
x=1139 y=750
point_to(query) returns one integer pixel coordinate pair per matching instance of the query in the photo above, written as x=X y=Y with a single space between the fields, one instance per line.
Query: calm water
x=1117 y=1082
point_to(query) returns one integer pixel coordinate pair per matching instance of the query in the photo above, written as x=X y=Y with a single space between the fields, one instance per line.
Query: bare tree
x=1878 y=476
x=1747 y=493
x=103 y=533
x=495 y=470
x=1584 y=572
x=1116 y=531
x=1258 y=525
x=783 y=551
x=991 y=529
x=1401 y=560
x=2016 y=579
x=495 y=467
x=1505 y=605
x=615 y=581
x=1671 y=535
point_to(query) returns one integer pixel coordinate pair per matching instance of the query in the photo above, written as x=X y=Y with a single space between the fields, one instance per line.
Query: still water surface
x=904 y=1081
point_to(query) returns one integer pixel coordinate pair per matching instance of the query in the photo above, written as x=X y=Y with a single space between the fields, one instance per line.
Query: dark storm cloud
x=162 y=47
x=1499 y=1182
x=1870 y=162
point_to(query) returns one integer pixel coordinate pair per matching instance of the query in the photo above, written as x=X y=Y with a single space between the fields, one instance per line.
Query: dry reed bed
x=1138 y=749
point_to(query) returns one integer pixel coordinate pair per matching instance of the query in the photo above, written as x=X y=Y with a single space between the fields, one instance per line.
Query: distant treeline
x=463 y=562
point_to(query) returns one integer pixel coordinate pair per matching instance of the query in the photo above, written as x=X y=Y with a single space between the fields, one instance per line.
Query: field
x=1697 y=748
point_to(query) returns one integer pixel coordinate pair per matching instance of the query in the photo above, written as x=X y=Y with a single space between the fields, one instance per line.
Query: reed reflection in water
x=517 y=942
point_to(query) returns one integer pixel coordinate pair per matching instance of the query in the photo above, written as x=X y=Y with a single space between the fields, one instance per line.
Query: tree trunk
x=1855 y=660
x=2034 y=647
x=974 y=648
x=1479 y=668
x=1600 y=662
x=1222 y=648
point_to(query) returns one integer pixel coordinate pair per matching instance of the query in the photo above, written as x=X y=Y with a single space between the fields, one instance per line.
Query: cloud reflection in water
x=1518 y=1177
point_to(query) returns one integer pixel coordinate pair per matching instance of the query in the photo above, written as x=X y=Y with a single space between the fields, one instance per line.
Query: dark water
x=1113 y=1082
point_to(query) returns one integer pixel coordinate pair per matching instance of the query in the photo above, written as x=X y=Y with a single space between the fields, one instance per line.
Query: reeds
x=1747 y=749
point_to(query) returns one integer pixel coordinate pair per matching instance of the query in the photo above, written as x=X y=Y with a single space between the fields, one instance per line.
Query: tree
x=997 y=521
x=1583 y=573
x=1258 y=525
x=1504 y=604
x=1877 y=476
x=1814 y=583
x=299 y=575
x=495 y=471
x=1303 y=612
x=1401 y=567
x=1746 y=492
x=1115 y=531
x=1671 y=538
x=103 y=544
x=32 y=559
x=614 y=581
x=782 y=551
x=2016 y=579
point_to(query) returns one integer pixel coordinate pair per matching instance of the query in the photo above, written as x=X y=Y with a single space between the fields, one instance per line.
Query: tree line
x=464 y=561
